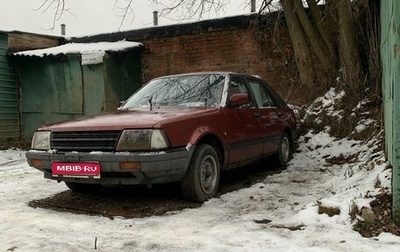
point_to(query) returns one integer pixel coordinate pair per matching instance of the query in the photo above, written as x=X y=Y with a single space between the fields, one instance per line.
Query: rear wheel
x=83 y=188
x=285 y=150
x=202 y=178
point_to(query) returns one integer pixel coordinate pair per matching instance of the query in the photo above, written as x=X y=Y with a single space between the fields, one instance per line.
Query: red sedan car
x=184 y=128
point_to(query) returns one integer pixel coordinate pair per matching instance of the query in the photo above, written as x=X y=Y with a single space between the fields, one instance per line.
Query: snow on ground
x=278 y=214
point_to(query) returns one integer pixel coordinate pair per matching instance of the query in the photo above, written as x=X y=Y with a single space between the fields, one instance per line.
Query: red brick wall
x=230 y=44
x=237 y=50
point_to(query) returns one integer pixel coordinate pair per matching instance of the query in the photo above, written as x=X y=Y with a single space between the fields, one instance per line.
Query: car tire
x=284 y=152
x=202 y=177
x=83 y=188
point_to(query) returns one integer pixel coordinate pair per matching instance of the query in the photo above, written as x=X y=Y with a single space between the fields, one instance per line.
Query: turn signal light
x=37 y=163
x=130 y=166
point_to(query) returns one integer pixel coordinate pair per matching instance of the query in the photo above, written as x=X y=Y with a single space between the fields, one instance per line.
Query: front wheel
x=202 y=178
x=284 y=151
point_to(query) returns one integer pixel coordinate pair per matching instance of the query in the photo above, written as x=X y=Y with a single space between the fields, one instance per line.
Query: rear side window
x=262 y=96
x=278 y=100
x=265 y=95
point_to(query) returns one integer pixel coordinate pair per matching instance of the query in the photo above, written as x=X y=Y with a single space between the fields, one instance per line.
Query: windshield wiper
x=150 y=100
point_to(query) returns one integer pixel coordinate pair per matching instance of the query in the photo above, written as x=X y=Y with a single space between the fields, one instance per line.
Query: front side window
x=238 y=85
x=181 y=90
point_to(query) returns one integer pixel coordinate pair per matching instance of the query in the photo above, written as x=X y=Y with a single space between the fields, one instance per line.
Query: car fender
x=203 y=132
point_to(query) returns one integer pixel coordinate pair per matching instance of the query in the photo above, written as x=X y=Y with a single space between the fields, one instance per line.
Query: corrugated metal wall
x=390 y=54
x=51 y=90
x=55 y=88
x=93 y=89
x=387 y=41
x=9 y=114
x=122 y=77
x=106 y=85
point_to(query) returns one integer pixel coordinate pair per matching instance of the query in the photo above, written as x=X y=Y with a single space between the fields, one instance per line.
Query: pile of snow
x=331 y=106
x=279 y=213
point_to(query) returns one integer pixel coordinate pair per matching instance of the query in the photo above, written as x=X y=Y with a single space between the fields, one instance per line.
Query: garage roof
x=91 y=53
x=82 y=48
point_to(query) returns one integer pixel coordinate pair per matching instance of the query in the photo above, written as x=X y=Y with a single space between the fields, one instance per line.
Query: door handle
x=257 y=115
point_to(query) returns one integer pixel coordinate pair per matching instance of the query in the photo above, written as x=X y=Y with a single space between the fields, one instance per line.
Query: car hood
x=124 y=119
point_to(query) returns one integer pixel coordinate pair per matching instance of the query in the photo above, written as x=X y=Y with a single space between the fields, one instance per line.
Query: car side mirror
x=238 y=99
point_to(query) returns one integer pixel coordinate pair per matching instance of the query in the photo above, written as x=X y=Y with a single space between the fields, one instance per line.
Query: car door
x=244 y=130
x=271 y=117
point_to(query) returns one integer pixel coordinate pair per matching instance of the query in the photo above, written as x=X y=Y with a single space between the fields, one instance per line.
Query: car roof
x=208 y=72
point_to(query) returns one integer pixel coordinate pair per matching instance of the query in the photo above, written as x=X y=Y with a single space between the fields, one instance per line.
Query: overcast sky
x=91 y=16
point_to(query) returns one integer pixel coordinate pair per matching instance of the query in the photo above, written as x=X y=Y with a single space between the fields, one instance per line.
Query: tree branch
x=188 y=9
x=59 y=8
x=126 y=10
x=182 y=9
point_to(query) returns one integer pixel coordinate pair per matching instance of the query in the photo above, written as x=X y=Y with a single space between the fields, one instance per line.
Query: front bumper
x=155 y=167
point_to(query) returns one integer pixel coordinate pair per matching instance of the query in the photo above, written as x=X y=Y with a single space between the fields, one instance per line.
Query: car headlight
x=142 y=140
x=41 y=140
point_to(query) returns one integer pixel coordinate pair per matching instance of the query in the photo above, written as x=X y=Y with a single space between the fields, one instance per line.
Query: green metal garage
x=9 y=115
x=75 y=79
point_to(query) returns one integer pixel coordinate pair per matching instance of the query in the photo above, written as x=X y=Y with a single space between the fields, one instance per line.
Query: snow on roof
x=81 y=48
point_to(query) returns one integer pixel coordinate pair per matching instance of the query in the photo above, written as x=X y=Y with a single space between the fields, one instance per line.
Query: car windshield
x=181 y=90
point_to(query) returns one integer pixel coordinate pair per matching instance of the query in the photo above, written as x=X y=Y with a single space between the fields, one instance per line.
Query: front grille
x=85 y=141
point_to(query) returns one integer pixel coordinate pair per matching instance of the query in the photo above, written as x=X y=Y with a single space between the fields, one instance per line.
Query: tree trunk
x=300 y=46
x=322 y=30
x=313 y=38
x=348 y=50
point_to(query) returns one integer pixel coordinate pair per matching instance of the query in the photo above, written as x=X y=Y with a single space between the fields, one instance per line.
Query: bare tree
x=327 y=41
x=126 y=9
x=348 y=49
x=58 y=8
x=302 y=51
x=188 y=9
x=55 y=6
x=326 y=36
x=172 y=9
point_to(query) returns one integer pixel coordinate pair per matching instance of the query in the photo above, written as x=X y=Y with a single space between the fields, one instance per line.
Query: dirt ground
x=140 y=201
x=382 y=208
